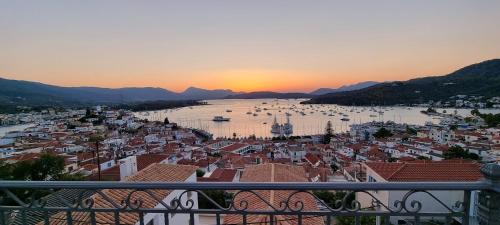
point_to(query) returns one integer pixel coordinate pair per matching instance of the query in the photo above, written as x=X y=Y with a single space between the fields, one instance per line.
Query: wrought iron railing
x=74 y=203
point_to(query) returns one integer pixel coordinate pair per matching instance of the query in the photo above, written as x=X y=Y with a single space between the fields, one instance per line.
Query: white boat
x=288 y=127
x=275 y=128
x=220 y=119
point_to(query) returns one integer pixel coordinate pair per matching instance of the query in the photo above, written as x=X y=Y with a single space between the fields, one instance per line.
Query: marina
x=244 y=119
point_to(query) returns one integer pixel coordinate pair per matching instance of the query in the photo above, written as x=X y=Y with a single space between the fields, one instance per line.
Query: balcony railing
x=30 y=202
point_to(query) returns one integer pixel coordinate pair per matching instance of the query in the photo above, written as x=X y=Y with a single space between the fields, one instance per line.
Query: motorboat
x=221 y=119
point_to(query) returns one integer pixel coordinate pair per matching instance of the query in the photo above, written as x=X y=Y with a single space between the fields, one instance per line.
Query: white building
x=421 y=171
x=154 y=173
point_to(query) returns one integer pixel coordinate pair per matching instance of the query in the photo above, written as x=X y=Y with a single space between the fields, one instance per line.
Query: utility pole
x=98 y=159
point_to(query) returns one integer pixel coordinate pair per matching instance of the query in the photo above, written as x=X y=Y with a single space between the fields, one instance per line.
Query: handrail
x=478 y=185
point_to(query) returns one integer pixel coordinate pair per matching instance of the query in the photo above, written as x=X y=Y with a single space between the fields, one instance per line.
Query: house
x=296 y=153
x=237 y=148
x=421 y=171
x=220 y=175
x=154 y=173
x=271 y=172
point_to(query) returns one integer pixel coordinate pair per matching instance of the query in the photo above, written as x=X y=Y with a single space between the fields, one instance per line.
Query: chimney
x=128 y=167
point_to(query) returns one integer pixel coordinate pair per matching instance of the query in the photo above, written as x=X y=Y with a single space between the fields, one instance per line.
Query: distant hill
x=352 y=87
x=27 y=93
x=482 y=79
x=198 y=93
x=269 y=94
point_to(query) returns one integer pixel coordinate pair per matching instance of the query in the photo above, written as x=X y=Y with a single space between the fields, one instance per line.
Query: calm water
x=313 y=122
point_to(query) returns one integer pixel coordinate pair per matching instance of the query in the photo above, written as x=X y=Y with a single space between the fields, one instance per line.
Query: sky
x=253 y=45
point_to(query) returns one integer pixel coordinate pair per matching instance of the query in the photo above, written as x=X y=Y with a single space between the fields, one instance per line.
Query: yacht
x=220 y=119
x=288 y=127
x=275 y=128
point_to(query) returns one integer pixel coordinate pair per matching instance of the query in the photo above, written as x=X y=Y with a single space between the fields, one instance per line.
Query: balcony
x=147 y=203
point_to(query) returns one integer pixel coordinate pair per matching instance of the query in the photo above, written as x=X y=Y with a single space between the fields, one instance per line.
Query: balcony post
x=489 y=200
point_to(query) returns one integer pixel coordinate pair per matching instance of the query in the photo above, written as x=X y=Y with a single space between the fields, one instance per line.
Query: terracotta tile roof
x=425 y=170
x=143 y=161
x=219 y=175
x=155 y=172
x=274 y=173
x=311 y=158
x=233 y=147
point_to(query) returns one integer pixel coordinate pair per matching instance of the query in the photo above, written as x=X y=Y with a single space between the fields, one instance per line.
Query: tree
x=410 y=130
x=328 y=133
x=331 y=198
x=457 y=152
x=47 y=167
x=200 y=173
x=165 y=121
x=334 y=167
x=382 y=133
x=349 y=220
x=218 y=196
x=421 y=157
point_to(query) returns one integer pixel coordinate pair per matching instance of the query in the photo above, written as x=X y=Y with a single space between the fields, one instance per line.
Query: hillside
x=26 y=93
x=269 y=94
x=482 y=79
x=352 y=87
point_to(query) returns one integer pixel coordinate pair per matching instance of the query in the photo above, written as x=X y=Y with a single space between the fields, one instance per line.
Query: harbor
x=258 y=116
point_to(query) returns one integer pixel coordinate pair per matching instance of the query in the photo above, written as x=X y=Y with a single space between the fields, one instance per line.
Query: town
x=101 y=144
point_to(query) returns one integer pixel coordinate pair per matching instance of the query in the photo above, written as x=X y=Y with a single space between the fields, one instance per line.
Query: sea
x=256 y=116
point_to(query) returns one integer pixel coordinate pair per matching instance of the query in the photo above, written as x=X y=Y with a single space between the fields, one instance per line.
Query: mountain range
x=27 y=93
x=481 y=79
x=477 y=79
x=352 y=87
x=269 y=94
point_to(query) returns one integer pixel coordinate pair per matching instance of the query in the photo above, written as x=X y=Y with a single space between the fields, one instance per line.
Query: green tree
x=166 y=121
x=349 y=220
x=220 y=197
x=47 y=167
x=334 y=167
x=411 y=131
x=200 y=173
x=328 y=133
x=331 y=198
x=457 y=152
x=382 y=133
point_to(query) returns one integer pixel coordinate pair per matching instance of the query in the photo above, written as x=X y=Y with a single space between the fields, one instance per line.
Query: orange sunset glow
x=308 y=46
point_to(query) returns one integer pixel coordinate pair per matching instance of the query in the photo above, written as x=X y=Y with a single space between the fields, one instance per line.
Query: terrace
x=155 y=203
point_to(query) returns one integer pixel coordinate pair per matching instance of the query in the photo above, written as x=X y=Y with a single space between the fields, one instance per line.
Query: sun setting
x=261 y=112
